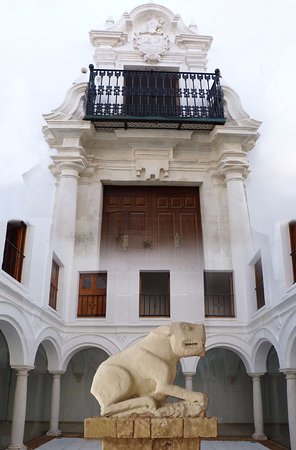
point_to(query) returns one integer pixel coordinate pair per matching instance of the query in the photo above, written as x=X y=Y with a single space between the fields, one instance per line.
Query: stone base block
x=151 y=444
x=150 y=433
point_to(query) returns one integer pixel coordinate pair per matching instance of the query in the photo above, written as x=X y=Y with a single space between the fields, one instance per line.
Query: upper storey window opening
x=14 y=249
x=259 y=284
x=292 y=229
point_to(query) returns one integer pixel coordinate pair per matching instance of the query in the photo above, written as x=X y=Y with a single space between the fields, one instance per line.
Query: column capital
x=234 y=169
x=290 y=373
x=23 y=370
x=69 y=164
x=256 y=374
x=57 y=372
x=71 y=169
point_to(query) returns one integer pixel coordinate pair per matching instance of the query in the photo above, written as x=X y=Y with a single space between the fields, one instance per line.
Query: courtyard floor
x=75 y=443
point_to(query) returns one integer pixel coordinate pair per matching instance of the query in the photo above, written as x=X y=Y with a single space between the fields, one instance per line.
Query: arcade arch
x=14 y=342
x=77 y=402
x=38 y=396
x=5 y=392
x=222 y=375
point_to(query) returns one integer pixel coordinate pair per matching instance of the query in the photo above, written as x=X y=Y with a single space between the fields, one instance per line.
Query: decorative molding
x=107 y=38
x=153 y=164
x=234 y=110
x=233 y=168
x=194 y=41
x=73 y=99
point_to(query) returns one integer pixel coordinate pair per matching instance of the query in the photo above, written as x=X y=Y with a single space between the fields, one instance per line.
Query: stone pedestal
x=150 y=433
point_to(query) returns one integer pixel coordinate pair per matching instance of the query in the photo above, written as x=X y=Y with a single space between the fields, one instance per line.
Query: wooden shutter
x=14 y=249
x=92 y=295
x=54 y=280
x=292 y=229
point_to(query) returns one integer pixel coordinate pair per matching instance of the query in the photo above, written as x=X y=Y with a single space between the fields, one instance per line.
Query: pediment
x=151 y=34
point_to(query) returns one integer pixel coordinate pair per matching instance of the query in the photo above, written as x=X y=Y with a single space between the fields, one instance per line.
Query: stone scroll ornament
x=151 y=41
x=139 y=379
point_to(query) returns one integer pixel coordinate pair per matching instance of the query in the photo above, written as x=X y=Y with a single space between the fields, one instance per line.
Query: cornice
x=59 y=131
x=193 y=41
x=107 y=37
x=223 y=135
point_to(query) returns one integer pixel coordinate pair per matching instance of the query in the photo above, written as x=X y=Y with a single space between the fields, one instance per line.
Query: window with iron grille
x=154 y=294
x=259 y=289
x=219 y=298
x=14 y=249
x=292 y=229
x=92 y=295
x=54 y=280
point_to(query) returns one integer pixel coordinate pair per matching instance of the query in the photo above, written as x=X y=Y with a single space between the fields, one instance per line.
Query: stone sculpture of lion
x=140 y=378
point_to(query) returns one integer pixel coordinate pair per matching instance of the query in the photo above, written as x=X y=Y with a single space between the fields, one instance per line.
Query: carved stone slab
x=151 y=41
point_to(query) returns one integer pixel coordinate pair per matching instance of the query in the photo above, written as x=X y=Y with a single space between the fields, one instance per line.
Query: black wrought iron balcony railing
x=154 y=99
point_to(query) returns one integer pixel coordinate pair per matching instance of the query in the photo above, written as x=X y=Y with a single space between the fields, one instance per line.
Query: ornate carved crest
x=151 y=41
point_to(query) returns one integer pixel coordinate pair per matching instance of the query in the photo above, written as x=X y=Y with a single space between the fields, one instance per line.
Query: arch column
x=257 y=407
x=291 y=398
x=55 y=404
x=19 y=408
x=188 y=380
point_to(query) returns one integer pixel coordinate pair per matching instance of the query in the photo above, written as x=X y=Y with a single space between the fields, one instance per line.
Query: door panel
x=158 y=223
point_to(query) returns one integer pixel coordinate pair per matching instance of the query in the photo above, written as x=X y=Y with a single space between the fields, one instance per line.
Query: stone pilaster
x=64 y=228
x=235 y=171
x=66 y=198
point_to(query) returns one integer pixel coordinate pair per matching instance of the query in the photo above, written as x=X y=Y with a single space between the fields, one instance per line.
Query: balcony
x=154 y=99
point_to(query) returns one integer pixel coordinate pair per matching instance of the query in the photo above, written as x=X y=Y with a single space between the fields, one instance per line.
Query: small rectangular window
x=154 y=294
x=219 y=298
x=292 y=229
x=14 y=249
x=54 y=281
x=92 y=295
x=259 y=284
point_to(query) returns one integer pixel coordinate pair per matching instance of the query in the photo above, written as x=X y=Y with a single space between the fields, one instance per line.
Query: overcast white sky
x=44 y=43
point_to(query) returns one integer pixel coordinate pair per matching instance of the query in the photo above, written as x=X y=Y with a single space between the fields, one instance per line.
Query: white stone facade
x=86 y=159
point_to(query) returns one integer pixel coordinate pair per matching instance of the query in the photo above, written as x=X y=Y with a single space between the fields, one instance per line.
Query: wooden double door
x=160 y=224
